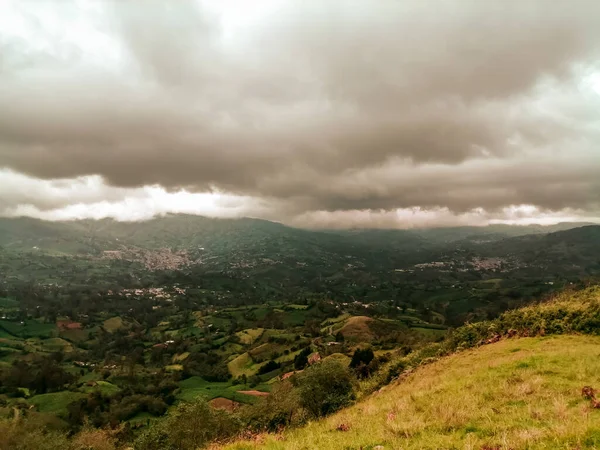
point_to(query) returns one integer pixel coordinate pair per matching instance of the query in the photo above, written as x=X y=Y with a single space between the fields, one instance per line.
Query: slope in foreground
x=515 y=394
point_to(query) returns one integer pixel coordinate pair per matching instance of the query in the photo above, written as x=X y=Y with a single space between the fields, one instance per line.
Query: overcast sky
x=314 y=113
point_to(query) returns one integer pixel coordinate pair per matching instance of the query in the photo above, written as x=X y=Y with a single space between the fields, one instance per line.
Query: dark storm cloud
x=322 y=106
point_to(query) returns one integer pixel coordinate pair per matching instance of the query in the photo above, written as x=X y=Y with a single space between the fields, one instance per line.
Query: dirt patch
x=255 y=393
x=224 y=403
x=65 y=325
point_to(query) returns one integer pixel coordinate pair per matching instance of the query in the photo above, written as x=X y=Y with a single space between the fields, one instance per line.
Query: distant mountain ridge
x=255 y=247
x=181 y=231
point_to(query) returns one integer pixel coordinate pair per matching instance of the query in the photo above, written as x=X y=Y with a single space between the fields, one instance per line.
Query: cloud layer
x=348 y=110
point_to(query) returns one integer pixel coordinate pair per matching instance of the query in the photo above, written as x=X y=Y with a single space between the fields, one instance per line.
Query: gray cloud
x=321 y=106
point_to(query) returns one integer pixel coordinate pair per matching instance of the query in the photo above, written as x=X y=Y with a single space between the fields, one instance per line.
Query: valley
x=121 y=326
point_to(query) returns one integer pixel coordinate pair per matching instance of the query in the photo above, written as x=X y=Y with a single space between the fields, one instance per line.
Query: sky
x=326 y=114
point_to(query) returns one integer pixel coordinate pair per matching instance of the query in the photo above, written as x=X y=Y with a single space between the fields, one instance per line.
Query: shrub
x=325 y=388
x=361 y=356
x=30 y=434
x=190 y=425
x=280 y=409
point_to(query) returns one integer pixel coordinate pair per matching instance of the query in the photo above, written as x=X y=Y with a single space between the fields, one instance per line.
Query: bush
x=190 y=425
x=36 y=433
x=361 y=356
x=325 y=388
x=280 y=409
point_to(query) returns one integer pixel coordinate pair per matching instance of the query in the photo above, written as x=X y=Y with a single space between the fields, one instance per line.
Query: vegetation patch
x=55 y=402
x=241 y=365
x=113 y=324
x=250 y=335
x=180 y=357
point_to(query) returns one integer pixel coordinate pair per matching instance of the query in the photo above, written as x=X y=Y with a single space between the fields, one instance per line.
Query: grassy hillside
x=517 y=393
x=511 y=383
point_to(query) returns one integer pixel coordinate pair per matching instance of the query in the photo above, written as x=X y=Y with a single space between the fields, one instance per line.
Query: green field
x=241 y=365
x=142 y=418
x=250 y=335
x=56 y=345
x=56 y=402
x=7 y=303
x=30 y=328
x=103 y=386
x=195 y=387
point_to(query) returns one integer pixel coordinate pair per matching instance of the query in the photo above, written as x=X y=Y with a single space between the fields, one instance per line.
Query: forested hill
x=186 y=231
x=107 y=251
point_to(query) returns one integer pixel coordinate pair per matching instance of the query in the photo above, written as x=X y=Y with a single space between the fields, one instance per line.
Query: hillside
x=107 y=250
x=515 y=392
x=185 y=232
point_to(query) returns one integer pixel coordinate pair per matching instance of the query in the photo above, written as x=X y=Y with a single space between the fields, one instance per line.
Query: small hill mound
x=357 y=328
x=113 y=324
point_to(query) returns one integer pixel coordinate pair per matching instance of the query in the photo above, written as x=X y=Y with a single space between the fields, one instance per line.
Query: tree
x=361 y=356
x=325 y=388
x=281 y=408
x=268 y=367
x=301 y=359
x=189 y=426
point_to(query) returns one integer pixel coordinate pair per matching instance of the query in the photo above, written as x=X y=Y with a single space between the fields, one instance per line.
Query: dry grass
x=241 y=365
x=224 y=403
x=357 y=328
x=515 y=394
x=113 y=324
x=250 y=335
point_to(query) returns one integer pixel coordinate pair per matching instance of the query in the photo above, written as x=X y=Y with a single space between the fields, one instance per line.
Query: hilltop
x=516 y=388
